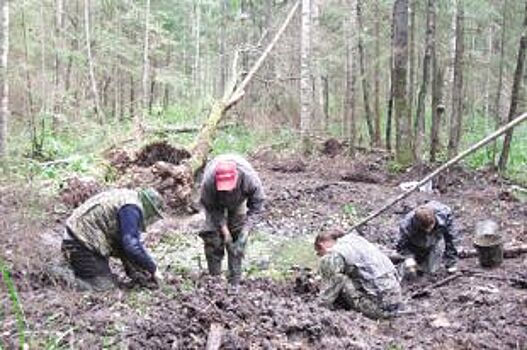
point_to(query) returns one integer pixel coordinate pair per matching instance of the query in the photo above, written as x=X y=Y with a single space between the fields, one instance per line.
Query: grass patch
x=17 y=305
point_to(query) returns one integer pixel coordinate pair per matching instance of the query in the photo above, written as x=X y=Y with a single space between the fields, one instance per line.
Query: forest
x=354 y=114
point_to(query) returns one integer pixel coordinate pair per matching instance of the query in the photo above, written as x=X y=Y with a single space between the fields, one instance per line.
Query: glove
x=238 y=246
x=410 y=267
x=452 y=268
x=157 y=276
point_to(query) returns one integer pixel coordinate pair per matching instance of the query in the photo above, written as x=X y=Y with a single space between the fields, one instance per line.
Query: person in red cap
x=231 y=194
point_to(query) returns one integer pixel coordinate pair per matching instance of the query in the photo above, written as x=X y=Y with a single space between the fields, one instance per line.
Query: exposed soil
x=473 y=311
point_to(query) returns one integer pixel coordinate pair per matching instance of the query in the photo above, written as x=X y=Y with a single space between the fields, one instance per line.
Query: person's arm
x=253 y=189
x=450 y=236
x=130 y=218
x=403 y=245
x=332 y=271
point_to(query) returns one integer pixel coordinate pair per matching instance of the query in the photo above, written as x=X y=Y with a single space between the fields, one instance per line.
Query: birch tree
x=350 y=121
x=93 y=81
x=146 y=68
x=306 y=86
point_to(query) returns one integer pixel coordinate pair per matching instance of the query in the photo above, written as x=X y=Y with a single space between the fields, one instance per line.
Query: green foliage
x=17 y=305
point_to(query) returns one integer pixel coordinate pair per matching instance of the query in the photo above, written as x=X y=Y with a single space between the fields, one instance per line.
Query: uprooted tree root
x=158 y=165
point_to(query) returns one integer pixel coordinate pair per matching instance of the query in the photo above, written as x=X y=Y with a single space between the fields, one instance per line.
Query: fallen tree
x=518 y=120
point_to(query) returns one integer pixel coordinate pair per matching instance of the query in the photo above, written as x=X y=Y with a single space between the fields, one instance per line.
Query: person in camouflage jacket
x=357 y=275
x=231 y=194
x=427 y=237
x=109 y=225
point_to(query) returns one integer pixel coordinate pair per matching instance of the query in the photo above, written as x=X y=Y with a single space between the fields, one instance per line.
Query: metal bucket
x=490 y=249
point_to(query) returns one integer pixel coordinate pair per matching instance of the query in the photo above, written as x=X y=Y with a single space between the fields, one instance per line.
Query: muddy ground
x=276 y=307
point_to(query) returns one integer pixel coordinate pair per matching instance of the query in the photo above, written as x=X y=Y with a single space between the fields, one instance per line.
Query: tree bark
x=306 y=85
x=364 y=79
x=404 y=154
x=349 y=96
x=377 y=75
x=412 y=59
x=197 y=49
x=389 y=109
x=98 y=112
x=146 y=72
x=4 y=86
x=501 y=64
x=456 y=121
x=437 y=107
x=420 y=113
x=515 y=94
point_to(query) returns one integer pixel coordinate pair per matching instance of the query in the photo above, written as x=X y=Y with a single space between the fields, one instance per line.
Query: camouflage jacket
x=371 y=272
x=95 y=223
x=249 y=188
x=412 y=241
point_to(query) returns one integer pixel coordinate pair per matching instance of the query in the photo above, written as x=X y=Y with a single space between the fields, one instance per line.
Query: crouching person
x=426 y=238
x=231 y=194
x=108 y=225
x=357 y=275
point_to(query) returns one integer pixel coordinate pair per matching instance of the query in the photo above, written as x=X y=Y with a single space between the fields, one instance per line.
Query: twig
x=426 y=291
x=443 y=167
x=214 y=338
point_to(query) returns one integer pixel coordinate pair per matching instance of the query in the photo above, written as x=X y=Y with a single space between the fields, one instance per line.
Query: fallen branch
x=181 y=129
x=427 y=290
x=214 y=338
x=508 y=252
x=518 y=120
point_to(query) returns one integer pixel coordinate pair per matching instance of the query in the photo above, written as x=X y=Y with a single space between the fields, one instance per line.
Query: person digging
x=427 y=237
x=356 y=275
x=231 y=194
x=109 y=225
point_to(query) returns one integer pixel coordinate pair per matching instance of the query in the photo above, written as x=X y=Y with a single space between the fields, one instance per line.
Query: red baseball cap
x=226 y=175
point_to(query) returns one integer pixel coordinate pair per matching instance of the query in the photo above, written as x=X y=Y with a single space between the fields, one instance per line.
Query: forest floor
x=277 y=306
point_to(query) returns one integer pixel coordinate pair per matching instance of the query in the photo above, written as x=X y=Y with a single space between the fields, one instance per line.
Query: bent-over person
x=107 y=225
x=231 y=194
x=426 y=238
x=357 y=275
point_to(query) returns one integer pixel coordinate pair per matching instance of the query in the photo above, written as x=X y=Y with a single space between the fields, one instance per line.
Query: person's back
x=370 y=269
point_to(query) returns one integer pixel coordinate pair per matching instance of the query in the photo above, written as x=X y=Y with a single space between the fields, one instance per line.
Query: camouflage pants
x=374 y=307
x=215 y=245
x=90 y=269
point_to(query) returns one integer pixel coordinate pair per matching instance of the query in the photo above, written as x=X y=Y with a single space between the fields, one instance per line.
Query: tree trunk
x=437 y=107
x=420 y=113
x=389 y=111
x=4 y=87
x=223 y=38
x=197 y=49
x=456 y=121
x=497 y=104
x=132 y=96
x=98 y=112
x=411 y=77
x=306 y=86
x=146 y=72
x=403 y=146
x=59 y=46
x=349 y=96
x=364 y=79
x=377 y=75
x=515 y=94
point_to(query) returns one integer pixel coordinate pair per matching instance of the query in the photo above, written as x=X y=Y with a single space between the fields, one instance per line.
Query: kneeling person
x=231 y=193
x=357 y=275
x=426 y=237
x=108 y=225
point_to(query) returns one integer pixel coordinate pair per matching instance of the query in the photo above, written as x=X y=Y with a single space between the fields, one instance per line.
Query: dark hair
x=331 y=234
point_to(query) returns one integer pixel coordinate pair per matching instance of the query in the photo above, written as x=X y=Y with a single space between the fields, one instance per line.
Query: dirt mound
x=119 y=159
x=364 y=172
x=293 y=165
x=160 y=151
x=76 y=191
x=332 y=147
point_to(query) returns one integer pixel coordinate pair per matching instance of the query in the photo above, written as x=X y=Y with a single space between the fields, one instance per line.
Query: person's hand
x=238 y=246
x=451 y=268
x=157 y=276
x=410 y=267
